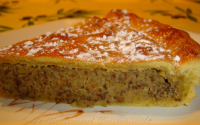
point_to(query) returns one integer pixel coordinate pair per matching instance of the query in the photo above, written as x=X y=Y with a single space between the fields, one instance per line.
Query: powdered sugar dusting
x=6 y=48
x=32 y=51
x=177 y=58
x=28 y=43
x=48 y=34
x=50 y=44
x=40 y=39
x=85 y=56
x=73 y=51
x=125 y=11
x=99 y=39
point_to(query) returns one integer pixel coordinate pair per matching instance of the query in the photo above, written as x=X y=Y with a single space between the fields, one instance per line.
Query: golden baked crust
x=119 y=38
x=121 y=41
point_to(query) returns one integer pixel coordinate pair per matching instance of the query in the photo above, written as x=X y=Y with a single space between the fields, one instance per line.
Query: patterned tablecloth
x=15 y=14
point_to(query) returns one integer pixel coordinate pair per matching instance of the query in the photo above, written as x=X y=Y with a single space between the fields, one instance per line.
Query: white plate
x=38 y=112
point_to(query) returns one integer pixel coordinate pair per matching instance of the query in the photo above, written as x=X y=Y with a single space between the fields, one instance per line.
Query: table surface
x=15 y=14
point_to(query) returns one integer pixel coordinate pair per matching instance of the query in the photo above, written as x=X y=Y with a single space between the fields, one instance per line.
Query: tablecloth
x=15 y=14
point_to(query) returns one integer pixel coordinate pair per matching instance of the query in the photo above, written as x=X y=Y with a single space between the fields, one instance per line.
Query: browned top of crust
x=119 y=37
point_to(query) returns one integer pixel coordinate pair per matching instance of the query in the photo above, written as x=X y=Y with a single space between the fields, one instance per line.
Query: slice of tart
x=120 y=59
